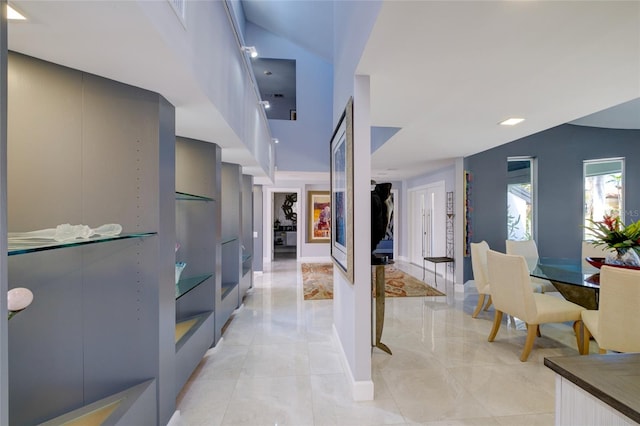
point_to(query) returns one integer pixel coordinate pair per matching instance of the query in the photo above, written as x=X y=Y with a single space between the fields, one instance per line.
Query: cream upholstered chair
x=589 y=250
x=512 y=294
x=529 y=250
x=616 y=324
x=479 y=266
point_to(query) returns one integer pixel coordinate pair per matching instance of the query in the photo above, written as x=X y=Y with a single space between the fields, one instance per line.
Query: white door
x=427 y=237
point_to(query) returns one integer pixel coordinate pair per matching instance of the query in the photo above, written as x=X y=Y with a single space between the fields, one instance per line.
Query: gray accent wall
x=560 y=153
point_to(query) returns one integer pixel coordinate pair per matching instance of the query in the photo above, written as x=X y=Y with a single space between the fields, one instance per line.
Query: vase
x=179 y=268
x=598 y=262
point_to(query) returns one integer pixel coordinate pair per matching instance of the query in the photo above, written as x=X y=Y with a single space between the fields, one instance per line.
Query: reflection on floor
x=278 y=365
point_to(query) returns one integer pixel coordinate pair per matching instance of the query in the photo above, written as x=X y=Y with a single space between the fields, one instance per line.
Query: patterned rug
x=317 y=281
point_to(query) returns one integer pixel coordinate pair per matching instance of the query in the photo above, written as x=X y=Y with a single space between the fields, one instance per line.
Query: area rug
x=317 y=281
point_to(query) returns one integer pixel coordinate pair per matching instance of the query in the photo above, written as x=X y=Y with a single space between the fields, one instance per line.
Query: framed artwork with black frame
x=342 y=193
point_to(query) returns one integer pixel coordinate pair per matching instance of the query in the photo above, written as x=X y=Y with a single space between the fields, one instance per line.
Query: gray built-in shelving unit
x=198 y=235
x=109 y=332
x=87 y=150
x=246 y=280
x=231 y=193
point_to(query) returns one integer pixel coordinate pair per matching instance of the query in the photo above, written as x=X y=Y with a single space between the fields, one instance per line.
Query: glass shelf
x=185 y=285
x=246 y=257
x=227 y=288
x=229 y=240
x=35 y=245
x=191 y=197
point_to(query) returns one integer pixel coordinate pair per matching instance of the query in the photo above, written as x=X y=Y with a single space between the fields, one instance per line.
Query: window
x=520 y=198
x=603 y=190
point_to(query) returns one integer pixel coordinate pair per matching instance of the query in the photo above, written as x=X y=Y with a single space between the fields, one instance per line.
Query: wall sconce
x=251 y=50
x=275 y=140
x=265 y=104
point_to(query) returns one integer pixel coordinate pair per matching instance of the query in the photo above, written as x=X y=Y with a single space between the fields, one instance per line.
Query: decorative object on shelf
x=179 y=268
x=319 y=216
x=341 y=172
x=18 y=299
x=624 y=240
x=67 y=232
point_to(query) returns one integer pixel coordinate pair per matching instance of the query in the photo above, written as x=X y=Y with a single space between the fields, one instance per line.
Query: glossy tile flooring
x=278 y=364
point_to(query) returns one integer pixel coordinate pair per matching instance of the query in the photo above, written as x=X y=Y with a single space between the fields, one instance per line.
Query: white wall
x=301 y=183
x=453 y=178
x=352 y=302
x=227 y=91
x=303 y=143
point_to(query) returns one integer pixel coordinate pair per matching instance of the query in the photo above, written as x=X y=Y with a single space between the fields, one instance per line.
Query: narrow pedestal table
x=379 y=282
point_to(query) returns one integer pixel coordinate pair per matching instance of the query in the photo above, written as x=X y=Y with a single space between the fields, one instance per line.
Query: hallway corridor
x=278 y=365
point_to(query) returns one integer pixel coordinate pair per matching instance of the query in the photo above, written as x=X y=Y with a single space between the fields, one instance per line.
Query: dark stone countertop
x=613 y=378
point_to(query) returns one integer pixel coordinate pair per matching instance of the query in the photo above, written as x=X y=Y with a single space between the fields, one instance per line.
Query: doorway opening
x=285 y=225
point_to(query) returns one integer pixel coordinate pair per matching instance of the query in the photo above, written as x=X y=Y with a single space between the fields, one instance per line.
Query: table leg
x=380 y=302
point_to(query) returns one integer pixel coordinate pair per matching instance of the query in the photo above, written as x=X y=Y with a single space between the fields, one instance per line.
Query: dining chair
x=512 y=294
x=529 y=250
x=480 y=280
x=589 y=250
x=615 y=326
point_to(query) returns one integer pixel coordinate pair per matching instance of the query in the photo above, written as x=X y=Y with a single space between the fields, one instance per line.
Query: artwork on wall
x=319 y=216
x=468 y=233
x=342 y=193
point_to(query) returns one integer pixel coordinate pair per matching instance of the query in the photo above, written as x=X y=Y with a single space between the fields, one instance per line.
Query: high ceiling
x=445 y=72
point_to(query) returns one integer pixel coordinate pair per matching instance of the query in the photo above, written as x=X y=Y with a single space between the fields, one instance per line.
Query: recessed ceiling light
x=276 y=140
x=511 y=121
x=14 y=15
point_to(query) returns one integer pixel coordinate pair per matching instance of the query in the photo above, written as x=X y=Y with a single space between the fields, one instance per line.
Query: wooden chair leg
x=481 y=298
x=489 y=302
x=537 y=332
x=532 y=331
x=584 y=337
x=497 y=320
x=579 y=332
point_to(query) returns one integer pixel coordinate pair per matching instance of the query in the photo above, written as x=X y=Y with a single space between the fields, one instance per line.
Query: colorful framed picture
x=318 y=216
x=342 y=193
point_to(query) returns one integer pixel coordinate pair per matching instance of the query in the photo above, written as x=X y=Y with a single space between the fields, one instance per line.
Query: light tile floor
x=278 y=365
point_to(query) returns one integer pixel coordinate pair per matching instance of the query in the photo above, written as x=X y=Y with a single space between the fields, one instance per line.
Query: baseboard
x=361 y=390
x=315 y=259
x=175 y=419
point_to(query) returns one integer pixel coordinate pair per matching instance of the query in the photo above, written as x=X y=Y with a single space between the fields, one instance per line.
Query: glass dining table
x=576 y=284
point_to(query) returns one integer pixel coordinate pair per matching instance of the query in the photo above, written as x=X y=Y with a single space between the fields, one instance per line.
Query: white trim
x=175 y=419
x=361 y=390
